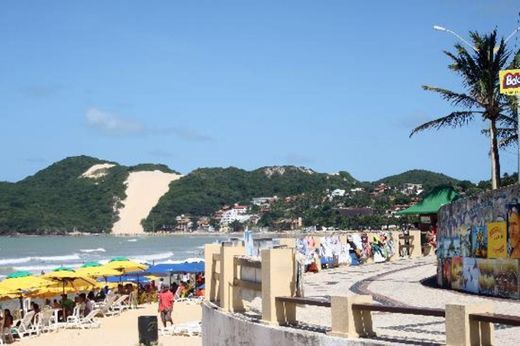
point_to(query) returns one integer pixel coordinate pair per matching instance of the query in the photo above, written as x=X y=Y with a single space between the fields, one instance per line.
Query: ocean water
x=44 y=253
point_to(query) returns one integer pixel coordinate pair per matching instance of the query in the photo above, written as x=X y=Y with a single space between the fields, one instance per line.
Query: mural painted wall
x=479 y=244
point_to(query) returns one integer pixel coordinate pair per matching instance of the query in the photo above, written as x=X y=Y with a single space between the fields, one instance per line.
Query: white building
x=262 y=201
x=410 y=189
x=237 y=213
x=337 y=193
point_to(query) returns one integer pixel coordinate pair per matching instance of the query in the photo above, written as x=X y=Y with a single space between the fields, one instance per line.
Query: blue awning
x=125 y=278
x=169 y=268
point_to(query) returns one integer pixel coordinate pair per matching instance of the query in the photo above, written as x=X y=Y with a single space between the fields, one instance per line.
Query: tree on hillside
x=479 y=72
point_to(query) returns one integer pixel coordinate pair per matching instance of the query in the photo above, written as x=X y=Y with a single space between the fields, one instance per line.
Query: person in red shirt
x=166 y=305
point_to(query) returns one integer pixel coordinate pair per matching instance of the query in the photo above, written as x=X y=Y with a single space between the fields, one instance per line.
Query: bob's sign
x=509 y=82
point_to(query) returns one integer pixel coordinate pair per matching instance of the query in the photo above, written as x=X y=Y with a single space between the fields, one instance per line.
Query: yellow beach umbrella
x=20 y=284
x=97 y=272
x=7 y=294
x=124 y=265
x=69 y=280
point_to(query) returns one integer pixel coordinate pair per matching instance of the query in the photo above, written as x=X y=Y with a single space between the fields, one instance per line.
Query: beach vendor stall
x=427 y=210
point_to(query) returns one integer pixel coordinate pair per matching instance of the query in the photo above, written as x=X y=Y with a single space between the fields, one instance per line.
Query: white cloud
x=112 y=124
x=115 y=125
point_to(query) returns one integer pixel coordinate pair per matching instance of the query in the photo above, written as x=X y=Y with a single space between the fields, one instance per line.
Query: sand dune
x=97 y=171
x=144 y=189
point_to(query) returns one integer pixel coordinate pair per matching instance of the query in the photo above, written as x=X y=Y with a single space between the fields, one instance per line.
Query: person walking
x=166 y=305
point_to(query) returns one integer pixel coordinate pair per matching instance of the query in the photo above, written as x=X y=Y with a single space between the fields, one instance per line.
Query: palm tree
x=481 y=99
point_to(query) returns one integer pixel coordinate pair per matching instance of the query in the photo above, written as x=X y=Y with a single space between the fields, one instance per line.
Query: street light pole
x=441 y=28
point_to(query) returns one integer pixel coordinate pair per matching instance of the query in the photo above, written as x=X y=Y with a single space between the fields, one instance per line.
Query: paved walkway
x=398 y=283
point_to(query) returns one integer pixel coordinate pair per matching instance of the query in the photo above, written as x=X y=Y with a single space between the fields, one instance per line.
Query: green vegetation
x=206 y=190
x=152 y=167
x=58 y=200
x=417 y=176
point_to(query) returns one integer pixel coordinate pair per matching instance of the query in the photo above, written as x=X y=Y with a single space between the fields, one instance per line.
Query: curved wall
x=222 y=329
x=478 y=244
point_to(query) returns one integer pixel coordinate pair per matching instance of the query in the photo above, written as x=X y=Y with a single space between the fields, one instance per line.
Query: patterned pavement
x=399 y=283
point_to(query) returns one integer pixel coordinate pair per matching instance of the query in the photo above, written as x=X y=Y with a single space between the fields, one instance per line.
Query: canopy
x=125 y=266
x=91 y=264
x=168 y=268
x=68 y=279
x=119 y=258
x=19 y=274
x=17 y=285
x=96 y=272
x=432 y=202
x=23 y=283
x=128 y=278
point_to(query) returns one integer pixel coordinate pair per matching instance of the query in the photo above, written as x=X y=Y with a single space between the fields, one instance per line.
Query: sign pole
x=518 y=133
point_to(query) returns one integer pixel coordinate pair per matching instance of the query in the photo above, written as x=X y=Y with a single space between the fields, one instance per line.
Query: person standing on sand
x=166 y=305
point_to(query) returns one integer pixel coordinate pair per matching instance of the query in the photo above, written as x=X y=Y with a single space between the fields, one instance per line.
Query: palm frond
x=454 y=119
x=456 y=99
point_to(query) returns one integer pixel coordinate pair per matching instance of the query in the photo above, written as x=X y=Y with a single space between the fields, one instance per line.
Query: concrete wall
x=476 y=241
x=223 y=329
x=477 y=210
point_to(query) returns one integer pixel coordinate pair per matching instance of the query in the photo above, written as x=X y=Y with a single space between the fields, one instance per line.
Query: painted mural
x=479 y=244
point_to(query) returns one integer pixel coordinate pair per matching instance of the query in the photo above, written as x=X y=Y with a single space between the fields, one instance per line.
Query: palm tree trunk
x=495 y=158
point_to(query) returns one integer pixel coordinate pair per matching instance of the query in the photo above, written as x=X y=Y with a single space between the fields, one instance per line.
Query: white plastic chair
x=119 y=305
x=89 y=321
x=47 y=321
x=106 y=306
x=25 y=328
x=74 y=319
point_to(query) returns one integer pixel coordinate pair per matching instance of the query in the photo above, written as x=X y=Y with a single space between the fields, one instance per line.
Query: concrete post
x=289 y=242
x=348 y=322
x=227 y=274
x=461 y=331
x=416 y=250
x=210 y=292
x=278 y=280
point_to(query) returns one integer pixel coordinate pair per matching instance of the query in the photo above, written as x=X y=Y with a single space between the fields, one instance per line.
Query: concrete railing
x=230 y=276
x=229 y=273
x=351 y=317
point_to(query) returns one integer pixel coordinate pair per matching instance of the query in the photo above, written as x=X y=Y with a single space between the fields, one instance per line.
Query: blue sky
x=331 y=85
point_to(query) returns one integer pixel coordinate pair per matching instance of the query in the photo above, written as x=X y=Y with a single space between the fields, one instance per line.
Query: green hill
x=206 y=190
x=418 y=176
x=58 y=199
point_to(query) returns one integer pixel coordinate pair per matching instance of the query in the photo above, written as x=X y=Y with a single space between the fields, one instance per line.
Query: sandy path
x=144 y=189
x=120 y=330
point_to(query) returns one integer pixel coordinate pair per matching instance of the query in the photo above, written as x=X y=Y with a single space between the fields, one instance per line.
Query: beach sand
x=144 y=189
x=121 y=330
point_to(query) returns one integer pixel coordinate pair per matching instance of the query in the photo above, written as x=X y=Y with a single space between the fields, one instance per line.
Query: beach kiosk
x=427 y=210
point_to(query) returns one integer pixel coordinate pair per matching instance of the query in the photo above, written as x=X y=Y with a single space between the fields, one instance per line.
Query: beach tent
x=432 y=202
x=170 y=268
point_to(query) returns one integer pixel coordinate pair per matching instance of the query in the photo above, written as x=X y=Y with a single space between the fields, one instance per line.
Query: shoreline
x=283 y=234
